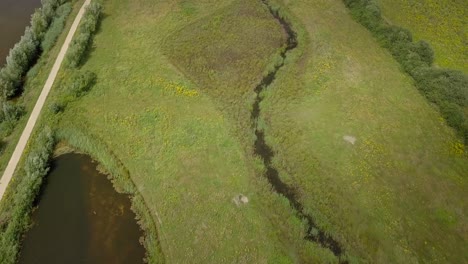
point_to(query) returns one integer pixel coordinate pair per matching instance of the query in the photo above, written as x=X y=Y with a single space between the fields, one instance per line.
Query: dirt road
x=15 y=158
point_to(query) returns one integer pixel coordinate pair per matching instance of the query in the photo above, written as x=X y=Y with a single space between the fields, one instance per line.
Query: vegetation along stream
x=81 y=219
x=262 y=149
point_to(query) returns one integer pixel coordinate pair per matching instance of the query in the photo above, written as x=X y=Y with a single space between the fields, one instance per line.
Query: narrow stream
x=81 y=219
x=262 y=149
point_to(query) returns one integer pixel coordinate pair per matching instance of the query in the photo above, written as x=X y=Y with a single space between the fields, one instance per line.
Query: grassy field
x=169 y=115
x=443 y=24
x=398 y=194
x=178 y=137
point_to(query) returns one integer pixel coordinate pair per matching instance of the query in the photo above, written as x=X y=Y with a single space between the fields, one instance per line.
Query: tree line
x=25 y=53
x=37 y=38
x=82 y=40
x=446 y=88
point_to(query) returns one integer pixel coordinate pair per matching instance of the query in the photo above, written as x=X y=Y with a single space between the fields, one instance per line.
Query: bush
x=18 y=62
x=57 y=107
x=366 y=11
x=453 y=114
x=16 y=209
x=425 y=51
x=78 y=85
x=448 y=89
x=24 y=54
x=11 y=112
x=56 y=27
x=444 y=85
x=81 y=83
x=81 y=42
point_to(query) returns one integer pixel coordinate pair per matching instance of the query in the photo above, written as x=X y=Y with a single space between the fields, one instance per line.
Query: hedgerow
x=56 y=27
x=46 y=24
x=78 y=85
x=446 y=88
x=81 y=42
x=25 y=53
x=16 y=208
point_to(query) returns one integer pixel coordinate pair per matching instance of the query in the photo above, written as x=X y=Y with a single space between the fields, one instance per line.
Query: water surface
x=81 y=219
x=15 y=15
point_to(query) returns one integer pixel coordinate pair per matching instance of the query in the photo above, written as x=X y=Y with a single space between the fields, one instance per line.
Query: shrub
x=24 y=54
x=57 y=107
x=11 y=112
x=425 y=51
x=447 y=84
x=81 y=83
x=366 y=11
x=453 y=114
x=19 y=60
x=77 y=86
x=15 y=209
x=56 y=27
x=81 y=42
x=9 y=115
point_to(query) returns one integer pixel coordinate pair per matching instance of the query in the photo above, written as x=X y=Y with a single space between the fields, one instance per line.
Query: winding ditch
x=263 y=150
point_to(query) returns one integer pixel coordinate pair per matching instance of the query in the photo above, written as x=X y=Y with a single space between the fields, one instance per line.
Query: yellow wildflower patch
x=177 y=88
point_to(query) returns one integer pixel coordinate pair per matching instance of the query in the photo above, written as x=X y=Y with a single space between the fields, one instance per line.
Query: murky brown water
x=14 y=17
x=81 y=219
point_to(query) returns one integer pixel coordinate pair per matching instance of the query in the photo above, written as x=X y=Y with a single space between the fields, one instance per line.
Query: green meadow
x=169 y=119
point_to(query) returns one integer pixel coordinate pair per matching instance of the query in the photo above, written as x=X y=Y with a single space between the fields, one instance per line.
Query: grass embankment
x=397 y=195
x=443 y=23
x=185 y=141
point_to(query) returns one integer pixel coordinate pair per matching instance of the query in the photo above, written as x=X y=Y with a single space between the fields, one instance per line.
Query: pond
x=81 y=219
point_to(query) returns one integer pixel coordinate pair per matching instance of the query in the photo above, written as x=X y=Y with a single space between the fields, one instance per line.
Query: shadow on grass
x=90 y=47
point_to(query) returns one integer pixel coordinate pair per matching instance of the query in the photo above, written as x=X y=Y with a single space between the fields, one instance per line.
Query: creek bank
x=263 y=150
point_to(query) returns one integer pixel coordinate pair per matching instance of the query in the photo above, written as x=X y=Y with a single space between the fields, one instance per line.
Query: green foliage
x=425 y=51
x=11 y=112
x=448 y=89
x=25 y=53
x=441 y=22
x=78 y=85
x=9 y=116
x=56 y=27
x=81 y=42
x=15 y=209
x=81 y=83
x=20 y=59
x=57 y=107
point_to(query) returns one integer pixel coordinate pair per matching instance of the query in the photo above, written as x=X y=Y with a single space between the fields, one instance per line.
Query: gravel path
x=15 y=158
